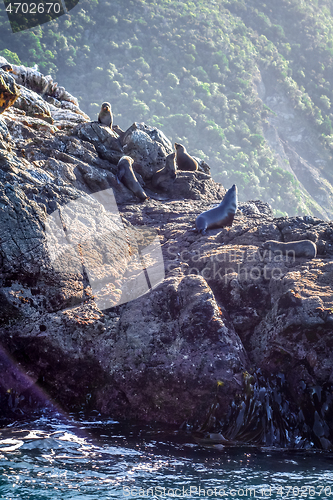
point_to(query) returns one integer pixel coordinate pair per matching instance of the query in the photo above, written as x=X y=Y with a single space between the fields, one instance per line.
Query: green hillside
x=193 y=69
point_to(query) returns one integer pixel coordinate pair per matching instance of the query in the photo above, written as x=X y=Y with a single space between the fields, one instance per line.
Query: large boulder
x=148 y=146
x=170 y=349
x=105 y=140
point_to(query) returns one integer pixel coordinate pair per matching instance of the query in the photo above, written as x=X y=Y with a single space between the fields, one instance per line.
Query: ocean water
x=62 y=457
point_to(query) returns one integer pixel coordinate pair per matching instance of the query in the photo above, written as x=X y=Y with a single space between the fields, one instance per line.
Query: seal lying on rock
x=184 y=160
x=220 y=216
x=126 y=175
x=105 y=114
x=301 y=248
x=163 y=177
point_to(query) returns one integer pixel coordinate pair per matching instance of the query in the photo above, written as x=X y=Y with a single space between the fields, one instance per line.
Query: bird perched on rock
x=105 y=115
x=6 y=67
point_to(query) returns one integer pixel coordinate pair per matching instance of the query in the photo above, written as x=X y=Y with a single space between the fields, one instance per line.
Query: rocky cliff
x=117 y=305
x=297 y=147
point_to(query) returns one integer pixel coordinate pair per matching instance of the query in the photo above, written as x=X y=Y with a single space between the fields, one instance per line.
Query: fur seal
x=301 y=248
x=7 y=67
x=105 y=115
x=163 y=177
x=184 y=160
x=126 y=175
x=220 y=216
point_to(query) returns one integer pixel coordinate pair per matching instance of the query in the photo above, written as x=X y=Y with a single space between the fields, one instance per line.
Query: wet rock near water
x=118 y=305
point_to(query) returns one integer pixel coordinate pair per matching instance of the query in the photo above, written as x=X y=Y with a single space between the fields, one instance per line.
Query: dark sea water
x=57 y=457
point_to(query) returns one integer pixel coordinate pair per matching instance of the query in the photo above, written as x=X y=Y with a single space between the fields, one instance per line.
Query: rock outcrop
x=9 y=91
x=121 y=306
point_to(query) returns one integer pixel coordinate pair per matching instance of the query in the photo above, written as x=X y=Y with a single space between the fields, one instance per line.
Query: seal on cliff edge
x=126 y=175
x=163 y=177
x=301 y=248
x=184 y=160
x=220 y=216
x=105 y=114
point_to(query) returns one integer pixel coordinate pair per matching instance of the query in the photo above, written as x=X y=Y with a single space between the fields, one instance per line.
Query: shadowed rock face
x=222 y=305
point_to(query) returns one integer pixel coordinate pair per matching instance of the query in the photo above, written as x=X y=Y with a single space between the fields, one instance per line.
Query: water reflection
x=103 y=459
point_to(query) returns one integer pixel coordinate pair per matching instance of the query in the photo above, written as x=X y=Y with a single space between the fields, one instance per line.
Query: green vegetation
x=190 y=69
